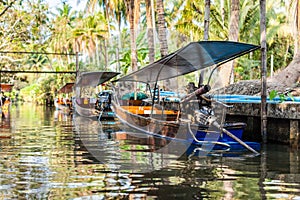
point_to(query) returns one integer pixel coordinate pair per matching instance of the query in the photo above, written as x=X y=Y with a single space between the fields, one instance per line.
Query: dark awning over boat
x=67 y=88
x=94 y=78
x=193 y=57
x=6 y=87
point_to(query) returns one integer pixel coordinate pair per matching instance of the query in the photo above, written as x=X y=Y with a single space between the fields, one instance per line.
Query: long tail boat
x=65 y=103
x=86 y=102
x=155 y=100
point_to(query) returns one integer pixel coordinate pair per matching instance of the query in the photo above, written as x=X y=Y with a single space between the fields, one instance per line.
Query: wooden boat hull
x=178 y=130
x=89 y=110
x=64 y=108
x=86 y=110
x=5 y=109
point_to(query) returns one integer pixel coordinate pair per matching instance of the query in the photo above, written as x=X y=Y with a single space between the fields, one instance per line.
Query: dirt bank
x=253 y=87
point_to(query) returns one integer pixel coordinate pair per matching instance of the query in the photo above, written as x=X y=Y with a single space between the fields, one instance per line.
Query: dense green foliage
x=102 y=37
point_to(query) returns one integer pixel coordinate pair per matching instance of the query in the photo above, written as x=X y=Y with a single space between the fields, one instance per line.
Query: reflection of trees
x=45 y=159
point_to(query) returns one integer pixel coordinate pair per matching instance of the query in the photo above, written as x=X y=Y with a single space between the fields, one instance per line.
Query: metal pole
x=272 y=66
x=0 y=80
x=263 y=70
x=77 y=64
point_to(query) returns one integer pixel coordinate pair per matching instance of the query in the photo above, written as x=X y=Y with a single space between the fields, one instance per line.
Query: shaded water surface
x=45 y=154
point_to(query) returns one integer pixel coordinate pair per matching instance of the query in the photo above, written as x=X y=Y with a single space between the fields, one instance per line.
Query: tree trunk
x=297 y=45
x=162 y=28
x=119 y=49
x=206 y=19
x=227 y=70
x=105 y=55
x=150 y=32
x=108 y=35
x=290 y=76
x=130 y=4
x=136 y=12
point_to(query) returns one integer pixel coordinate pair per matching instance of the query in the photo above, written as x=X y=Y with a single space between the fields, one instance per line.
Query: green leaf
x=282 y=98
x=291 y=96
x=273 y=94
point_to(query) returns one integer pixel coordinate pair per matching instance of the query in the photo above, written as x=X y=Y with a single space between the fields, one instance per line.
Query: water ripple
x=44 y=155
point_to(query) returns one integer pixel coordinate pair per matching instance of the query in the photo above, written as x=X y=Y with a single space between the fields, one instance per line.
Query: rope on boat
x=215 y=152
x=214 y=123
x=216 y=101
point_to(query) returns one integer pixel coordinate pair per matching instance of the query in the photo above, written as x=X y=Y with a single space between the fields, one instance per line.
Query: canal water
x=45 y=154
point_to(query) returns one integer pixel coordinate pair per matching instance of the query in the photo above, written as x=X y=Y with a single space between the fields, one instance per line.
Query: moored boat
x=182 y=115
x=86 y=103
x=5 y=101
x=64 y=101
x=5 y=107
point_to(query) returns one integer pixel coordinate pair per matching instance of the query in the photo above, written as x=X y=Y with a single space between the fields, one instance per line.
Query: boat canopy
x=6 y=87
x=94 y=78
x=67 y=88
x=192 y=57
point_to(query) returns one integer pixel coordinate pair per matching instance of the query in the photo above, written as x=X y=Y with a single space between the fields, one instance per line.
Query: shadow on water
x=46 y=154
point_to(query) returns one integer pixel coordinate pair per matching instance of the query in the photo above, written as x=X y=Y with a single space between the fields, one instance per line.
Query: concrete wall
x=283 y=124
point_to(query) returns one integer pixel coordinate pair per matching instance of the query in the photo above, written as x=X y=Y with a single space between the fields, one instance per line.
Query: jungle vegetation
x=126 y=35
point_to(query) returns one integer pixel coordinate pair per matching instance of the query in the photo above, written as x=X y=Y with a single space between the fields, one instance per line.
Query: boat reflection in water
x=78 y=158
x=108 y=143
x=5 y=125
x=61 y=115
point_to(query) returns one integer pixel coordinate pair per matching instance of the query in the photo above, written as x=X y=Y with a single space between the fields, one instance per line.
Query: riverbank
x=253 y=87
x=283 y=125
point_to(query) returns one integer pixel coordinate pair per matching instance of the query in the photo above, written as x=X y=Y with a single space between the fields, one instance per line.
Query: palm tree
x=150 y=30
x=186 y=18
x=114 y=12
x=161 y=26
x=88 y=34
x=37 y=62
x=119 y=13
x=133 y=14
x=62 y=26
x=206 y=19
x=227 y=70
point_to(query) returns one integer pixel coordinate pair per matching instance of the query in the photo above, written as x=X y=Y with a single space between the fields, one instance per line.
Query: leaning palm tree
x=132 y=14
x=290 y=76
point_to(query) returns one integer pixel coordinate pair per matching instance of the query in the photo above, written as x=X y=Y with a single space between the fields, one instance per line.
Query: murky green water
x=47 y=155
